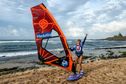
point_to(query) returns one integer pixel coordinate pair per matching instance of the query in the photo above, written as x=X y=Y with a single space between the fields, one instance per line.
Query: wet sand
x=100 y=72
x=19 y=63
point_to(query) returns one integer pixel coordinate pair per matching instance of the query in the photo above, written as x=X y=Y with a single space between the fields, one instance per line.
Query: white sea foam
x=21 y=53
x=58 y=49
x=51 y=41
x=16 y=41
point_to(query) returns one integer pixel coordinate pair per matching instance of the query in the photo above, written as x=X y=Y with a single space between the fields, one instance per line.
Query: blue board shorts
x=79 y=54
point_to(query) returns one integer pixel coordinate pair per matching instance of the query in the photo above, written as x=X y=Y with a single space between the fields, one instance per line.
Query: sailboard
x=44 y=24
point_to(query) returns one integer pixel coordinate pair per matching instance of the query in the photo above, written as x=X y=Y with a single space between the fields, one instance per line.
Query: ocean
x=10 y=48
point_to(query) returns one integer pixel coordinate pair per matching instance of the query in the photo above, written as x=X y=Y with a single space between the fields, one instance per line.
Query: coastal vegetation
x=118 y=37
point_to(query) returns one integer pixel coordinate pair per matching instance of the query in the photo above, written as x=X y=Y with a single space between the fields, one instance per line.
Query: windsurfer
x=78 y=48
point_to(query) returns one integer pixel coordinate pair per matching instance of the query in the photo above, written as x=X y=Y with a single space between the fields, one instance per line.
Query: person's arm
x=84 y=40
x=72 y=48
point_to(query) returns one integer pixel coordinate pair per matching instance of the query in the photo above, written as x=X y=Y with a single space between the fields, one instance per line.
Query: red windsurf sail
x=46 y=28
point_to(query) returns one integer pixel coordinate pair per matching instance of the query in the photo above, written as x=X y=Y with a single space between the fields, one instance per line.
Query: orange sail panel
x=44 y=23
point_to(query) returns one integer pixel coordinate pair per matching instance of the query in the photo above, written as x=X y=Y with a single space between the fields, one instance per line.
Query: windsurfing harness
x=44 y=23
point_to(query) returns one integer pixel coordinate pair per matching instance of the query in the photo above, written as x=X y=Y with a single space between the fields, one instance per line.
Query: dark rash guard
x=78 y=49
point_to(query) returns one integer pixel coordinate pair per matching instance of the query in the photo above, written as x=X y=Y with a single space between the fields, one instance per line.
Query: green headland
x=118 y=37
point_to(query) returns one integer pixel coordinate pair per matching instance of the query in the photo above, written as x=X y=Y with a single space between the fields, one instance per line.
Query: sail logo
x=44 y=35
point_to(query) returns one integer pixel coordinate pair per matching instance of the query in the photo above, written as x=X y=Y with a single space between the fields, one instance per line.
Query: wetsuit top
x=78 y=50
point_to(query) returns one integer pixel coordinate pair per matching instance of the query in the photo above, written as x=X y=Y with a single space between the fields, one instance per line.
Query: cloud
x=15 y=20
x=114 y=26
x=65 y=5
x=108 y=16
x=75 y=17
x=74 y=31
x=12 y=32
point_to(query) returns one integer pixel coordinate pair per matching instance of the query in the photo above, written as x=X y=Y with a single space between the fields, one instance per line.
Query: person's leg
x=76 y=62
x=80 y=63
x=74 y=68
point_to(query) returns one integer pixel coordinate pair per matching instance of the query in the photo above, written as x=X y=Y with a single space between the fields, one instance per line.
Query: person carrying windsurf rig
x=78 y=48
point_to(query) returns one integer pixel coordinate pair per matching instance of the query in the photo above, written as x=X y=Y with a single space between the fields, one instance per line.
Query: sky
x=98 y=18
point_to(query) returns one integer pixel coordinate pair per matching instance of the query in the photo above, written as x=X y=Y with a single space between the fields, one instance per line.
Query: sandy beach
x=99 y=72
x=19 y=63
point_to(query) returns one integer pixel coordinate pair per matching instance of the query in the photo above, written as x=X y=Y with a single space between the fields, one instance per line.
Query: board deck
x=75 y=77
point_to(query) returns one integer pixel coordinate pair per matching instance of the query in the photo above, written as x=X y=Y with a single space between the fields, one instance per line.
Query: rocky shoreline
x=118 y=37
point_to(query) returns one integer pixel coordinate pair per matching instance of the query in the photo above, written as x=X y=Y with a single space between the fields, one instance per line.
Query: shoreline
x=29 y=62
x=18 y=63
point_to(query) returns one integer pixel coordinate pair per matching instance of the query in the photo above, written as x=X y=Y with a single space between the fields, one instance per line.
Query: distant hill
x=118 y=37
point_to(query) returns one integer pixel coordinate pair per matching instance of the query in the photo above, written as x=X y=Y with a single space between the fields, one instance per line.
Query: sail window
x=54 y=45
